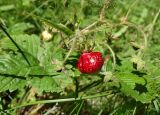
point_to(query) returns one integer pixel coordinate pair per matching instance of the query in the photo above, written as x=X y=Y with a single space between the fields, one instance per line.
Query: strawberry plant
x=79 y=57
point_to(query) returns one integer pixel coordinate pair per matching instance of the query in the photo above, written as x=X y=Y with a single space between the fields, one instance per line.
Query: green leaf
x=63 y=81
x=126 y=66
x=120 y=32
x=136 y=87
x=50 y=58
x=58 y=26
x=20 y=28
x=10 y=64
x=130 y=79
x=7 y=7
x=46 y=84
x=50 y=84
x=11 y=83
x=29 y=45
x=14 y=72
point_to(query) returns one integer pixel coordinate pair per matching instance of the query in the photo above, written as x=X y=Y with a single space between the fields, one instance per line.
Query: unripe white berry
x=46 y=36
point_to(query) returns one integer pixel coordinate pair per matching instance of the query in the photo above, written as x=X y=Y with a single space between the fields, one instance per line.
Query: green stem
x=130 y=8
x=153 y=24
x=139 y=30
x=134 y=111
x=81 y=104
x=77 y=35
x=77 y=87
x=71 y=113
x=91 y=85
x=36 y=9
x=85 y=30
x=113 y=55
x=60 y=100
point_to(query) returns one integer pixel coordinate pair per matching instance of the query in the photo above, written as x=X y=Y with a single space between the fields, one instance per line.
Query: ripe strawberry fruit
x=90 y=62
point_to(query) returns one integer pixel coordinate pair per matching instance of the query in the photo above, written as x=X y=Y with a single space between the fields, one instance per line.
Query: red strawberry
x=90 y=62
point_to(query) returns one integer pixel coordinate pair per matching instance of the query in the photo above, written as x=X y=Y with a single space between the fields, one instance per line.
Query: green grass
x=41 y=41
